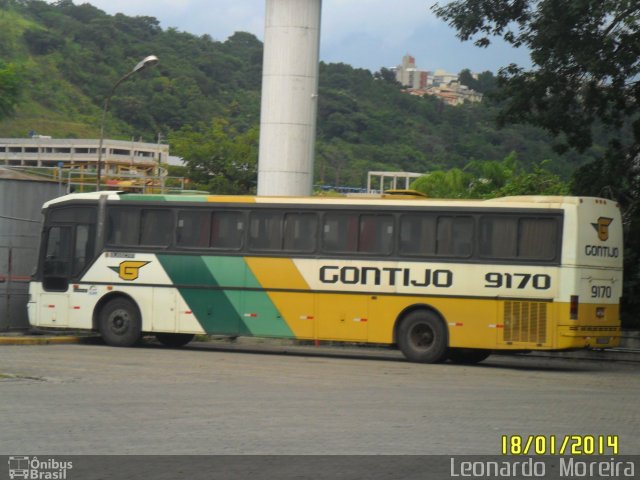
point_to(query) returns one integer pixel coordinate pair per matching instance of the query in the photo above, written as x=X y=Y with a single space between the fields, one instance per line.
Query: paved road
x=223 y=399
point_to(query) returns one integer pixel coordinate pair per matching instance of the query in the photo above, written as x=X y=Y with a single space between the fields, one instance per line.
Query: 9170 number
x=600 y=291
x=539 y=281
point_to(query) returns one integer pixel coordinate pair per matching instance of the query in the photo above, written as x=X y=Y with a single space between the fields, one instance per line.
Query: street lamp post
x=146 y=62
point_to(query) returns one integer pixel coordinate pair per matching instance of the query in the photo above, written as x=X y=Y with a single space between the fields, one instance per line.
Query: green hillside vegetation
x=68 y=56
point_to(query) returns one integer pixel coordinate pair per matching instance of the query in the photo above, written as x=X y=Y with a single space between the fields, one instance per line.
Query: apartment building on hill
x=439 y=83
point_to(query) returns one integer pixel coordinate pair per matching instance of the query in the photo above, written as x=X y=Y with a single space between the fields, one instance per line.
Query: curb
x=616 y=355
x=613 y=355
x=42 y=340
x=628 y=355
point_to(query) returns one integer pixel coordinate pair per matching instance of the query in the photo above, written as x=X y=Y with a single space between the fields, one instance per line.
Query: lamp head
x=146 y=62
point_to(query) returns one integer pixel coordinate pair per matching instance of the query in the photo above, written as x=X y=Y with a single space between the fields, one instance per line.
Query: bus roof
x=526 y=201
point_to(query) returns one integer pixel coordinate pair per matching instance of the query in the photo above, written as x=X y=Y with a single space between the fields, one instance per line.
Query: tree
x=42 y=42
x=585 y=57
x=491 y=179
x=218 y=157
x=335 y=156
x=453 y=183
x=538 y=182
x=484 y=82
x=585 y=76
x=465 y=77
x=10 y=88
x=387 y=75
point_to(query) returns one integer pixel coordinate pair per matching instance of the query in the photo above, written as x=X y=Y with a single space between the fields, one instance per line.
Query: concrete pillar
x=289 y=97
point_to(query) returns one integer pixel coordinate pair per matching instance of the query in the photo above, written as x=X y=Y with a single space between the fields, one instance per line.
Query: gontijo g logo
x=602 y=227
x=129 y=270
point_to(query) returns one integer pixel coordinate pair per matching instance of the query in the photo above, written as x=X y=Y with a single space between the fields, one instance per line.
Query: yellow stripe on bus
x=230 y=199
x=298 y=309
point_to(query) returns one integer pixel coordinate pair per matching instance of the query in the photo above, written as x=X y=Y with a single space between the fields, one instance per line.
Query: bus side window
x=57 y=259
x=376 y=234
x=498 y=236
x=512 y=237
x=538 y=238
x=84 y=248
x=418 y=235
x=156 y=228
x=193 y=229
x=455 y=236
x=300 y=232
x=265 y=231
x=340 y=232
x=57 y=263
x=227 y=230
x=123 y=226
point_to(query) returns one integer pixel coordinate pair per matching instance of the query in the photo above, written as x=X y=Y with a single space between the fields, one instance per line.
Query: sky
x=363 y=33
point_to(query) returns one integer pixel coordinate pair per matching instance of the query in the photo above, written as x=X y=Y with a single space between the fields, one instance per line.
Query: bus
x=439 y=279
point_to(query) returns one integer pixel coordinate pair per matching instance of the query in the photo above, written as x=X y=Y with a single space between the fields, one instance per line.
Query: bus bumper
x=577 y=337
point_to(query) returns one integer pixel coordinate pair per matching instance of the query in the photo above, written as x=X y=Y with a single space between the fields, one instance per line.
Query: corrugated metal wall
x=20 y=226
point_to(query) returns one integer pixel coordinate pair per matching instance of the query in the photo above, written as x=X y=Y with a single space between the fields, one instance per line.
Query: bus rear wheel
x=467 y=356
x=422 y=337
x=119 y=323
x=174 y=340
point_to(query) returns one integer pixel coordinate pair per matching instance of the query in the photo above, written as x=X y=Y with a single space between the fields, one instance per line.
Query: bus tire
x=174 y=340
x=119 y=323
x=467 y=356
x=422 y=337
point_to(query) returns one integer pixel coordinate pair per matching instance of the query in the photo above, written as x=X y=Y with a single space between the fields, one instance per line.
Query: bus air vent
x=525 y=322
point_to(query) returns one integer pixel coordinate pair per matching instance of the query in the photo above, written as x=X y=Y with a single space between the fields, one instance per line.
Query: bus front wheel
x=174 y=340
x=119 y=323
x=422 y=337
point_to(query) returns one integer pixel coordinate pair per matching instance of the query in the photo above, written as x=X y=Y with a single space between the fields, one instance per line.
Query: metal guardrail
x=75 y=180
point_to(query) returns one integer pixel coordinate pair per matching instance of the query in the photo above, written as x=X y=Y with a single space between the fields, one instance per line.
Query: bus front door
x=56 y=274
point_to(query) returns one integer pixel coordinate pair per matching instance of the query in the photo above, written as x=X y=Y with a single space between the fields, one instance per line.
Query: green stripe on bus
x=146 y=198
x=268 y=321
x=214 y=309
x=244 y=310
x=164 y=198
x=257 y=312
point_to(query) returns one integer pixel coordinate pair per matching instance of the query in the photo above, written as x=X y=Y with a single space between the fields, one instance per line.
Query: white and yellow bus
x=440 y=279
